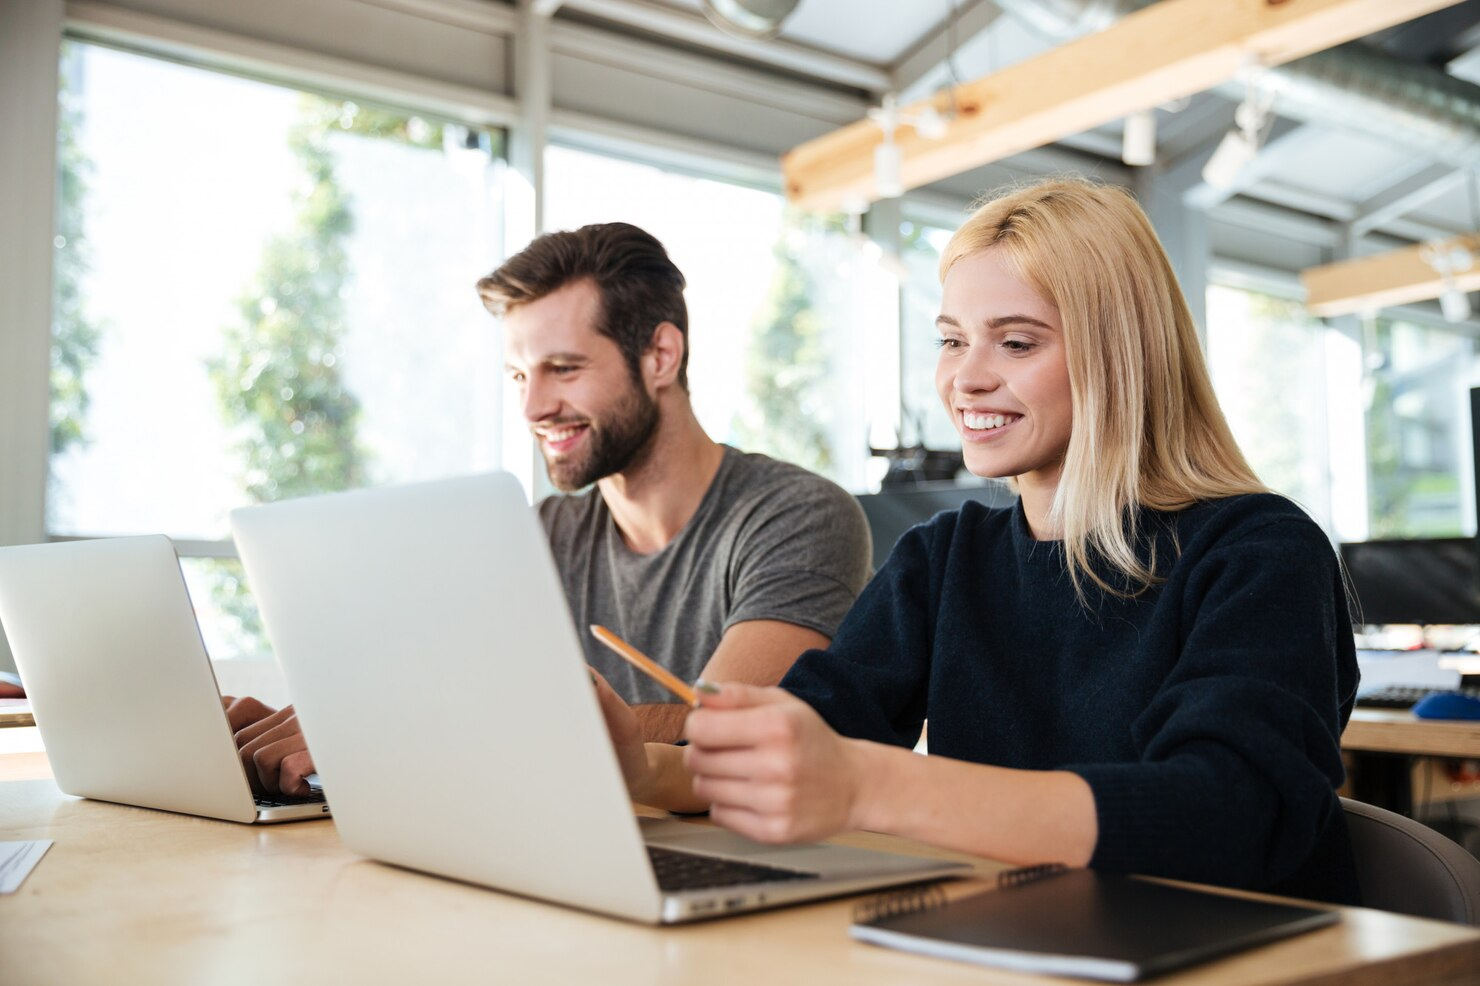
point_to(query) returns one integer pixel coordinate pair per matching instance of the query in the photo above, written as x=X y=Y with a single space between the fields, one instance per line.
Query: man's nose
x=539 y=400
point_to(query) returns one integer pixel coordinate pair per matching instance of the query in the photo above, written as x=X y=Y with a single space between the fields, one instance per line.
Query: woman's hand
x=771 y=768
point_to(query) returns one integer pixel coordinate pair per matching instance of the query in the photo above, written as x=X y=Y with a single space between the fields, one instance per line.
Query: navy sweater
x=1205 y=714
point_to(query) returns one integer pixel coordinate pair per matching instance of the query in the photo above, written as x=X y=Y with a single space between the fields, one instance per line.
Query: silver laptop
x=120 y=684
x=428 y=646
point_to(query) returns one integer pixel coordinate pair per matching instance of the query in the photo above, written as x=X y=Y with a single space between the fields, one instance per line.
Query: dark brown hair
x=639 y=286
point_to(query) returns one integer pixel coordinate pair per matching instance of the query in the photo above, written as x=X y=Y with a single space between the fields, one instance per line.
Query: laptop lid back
x=427 y=644
x=108 y=647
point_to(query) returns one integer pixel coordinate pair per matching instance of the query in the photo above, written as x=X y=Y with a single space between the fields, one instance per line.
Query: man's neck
x=654 y=498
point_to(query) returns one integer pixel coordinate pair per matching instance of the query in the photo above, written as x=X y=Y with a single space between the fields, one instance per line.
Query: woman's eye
x=948 y=344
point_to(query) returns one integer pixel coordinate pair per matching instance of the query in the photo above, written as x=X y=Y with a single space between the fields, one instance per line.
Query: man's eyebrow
x=550 y=358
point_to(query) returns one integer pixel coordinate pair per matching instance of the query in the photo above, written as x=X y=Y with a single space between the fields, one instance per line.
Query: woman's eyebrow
x=1017 y=319
x=998 y=322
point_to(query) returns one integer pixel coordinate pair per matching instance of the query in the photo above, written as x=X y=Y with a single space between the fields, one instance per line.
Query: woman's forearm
x=1015 y=816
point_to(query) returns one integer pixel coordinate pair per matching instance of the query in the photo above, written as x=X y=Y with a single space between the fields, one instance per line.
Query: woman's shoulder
x=1267 y=519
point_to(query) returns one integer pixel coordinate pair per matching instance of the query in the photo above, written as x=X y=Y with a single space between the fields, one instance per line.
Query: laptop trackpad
x=810 y=857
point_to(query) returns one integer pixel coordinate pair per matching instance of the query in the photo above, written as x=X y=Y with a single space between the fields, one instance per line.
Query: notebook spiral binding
x=1029 y=874
x=902 y=900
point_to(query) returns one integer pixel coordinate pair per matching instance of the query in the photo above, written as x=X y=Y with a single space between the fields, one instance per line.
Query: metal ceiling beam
x=923 y=68
x=603 y=46
x=1404 y=197
x=1341 y=211
x=693 y=28
x=111 y=24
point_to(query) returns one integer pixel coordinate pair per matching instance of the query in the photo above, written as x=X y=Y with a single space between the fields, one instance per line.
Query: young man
x=714 y=562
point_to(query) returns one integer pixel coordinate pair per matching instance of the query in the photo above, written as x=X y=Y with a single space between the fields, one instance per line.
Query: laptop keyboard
x=689 y=871
x=1405 y=696
x=283 y=801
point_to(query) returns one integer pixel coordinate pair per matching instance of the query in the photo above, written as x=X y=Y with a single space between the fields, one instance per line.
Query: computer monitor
x=1424 y=580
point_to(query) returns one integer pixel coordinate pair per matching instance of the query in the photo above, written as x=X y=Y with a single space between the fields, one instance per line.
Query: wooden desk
x=16 y=712
x=131 y=895
x=1386 y=731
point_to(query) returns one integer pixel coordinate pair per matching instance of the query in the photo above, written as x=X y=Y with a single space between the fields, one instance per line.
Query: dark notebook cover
x=1080 y=923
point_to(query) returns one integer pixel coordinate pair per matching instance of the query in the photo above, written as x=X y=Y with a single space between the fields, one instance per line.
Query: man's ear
x=664 y=355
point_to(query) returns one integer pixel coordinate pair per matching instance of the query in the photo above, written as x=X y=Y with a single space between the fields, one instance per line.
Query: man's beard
x=612 y=445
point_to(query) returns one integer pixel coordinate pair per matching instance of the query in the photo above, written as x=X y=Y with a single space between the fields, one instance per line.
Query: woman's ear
x=664 y=355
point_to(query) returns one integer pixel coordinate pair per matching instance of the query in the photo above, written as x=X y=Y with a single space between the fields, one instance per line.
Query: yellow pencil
x=645 y=664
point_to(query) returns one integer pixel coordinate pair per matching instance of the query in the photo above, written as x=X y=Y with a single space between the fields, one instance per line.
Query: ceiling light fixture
x=758 y=20
x=1240 y=146
x=1449 y=259
x=1138 y=139
x=928 y=121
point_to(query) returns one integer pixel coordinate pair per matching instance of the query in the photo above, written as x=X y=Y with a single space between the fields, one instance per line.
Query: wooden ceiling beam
x=1384 y=280
x=1162 y=52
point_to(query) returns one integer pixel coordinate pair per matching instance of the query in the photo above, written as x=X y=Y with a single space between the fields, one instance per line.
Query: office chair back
x=1409 y=868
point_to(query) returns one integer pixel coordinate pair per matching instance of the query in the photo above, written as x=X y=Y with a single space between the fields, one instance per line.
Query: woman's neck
x=1037 y=492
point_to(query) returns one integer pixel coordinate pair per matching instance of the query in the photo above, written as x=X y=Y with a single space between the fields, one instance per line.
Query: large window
x=788 y=314
x=925 y=421
x=1418 y=430
x=1368 y=428
x=260 y=293
x=1269 y=365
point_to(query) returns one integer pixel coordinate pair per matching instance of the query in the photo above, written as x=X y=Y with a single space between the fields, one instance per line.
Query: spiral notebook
x=1065 y=922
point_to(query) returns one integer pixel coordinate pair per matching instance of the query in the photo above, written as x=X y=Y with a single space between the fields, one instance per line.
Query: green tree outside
x=74 y=346
x=1408 y=496
x=786 y=362
x=279 y=381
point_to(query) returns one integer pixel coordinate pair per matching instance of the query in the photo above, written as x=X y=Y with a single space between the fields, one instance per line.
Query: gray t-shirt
x=770 y=541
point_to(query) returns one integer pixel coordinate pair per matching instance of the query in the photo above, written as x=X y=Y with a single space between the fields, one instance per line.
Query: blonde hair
x=1147 y=431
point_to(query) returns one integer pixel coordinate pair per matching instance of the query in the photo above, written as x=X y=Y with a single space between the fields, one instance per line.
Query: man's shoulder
x=561 y=511
x=754 y=475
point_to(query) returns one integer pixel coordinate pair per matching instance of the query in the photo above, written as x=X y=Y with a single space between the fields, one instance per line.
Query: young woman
x=1145 y=665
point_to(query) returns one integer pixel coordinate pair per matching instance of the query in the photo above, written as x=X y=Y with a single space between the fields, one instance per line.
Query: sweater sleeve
x=873 y=680
x=1239 y=750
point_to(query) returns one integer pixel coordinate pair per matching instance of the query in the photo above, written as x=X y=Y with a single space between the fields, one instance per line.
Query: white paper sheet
x=17 y=859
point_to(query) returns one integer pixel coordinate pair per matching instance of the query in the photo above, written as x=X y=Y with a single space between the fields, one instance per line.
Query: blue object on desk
x=1448 y=705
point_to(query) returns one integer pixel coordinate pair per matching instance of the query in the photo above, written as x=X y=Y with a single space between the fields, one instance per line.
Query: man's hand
x=274 y=753
x=242 y=712
x=770 y=767
x=626 y=733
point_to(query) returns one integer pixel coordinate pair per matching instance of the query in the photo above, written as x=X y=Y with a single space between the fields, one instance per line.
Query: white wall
x=30 y=32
